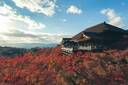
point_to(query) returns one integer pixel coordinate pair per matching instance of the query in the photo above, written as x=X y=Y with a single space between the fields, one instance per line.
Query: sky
x=48 y=21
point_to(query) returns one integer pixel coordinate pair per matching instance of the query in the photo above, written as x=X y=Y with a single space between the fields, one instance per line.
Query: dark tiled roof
x=79 y=37
x=66 y=39
x=103 y=27
x=94 y=32
x=93 y=35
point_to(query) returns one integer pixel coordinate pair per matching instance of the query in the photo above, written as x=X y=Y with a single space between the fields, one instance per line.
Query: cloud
x=9 y=20
x=113 y=17
x=17 y=28
x=123 y=3
x=30 y=40
x=46 y=7
x=17 y=36
x=74 y=10
x=64 y=20
x=54 y=38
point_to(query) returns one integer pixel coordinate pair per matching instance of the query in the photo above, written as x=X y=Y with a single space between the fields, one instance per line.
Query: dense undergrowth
x=49 y=67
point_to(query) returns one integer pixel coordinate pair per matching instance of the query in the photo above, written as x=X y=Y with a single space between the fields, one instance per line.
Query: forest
x=47 y=66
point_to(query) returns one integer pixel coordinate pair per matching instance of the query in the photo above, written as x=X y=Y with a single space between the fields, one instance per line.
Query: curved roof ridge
x=102 y=27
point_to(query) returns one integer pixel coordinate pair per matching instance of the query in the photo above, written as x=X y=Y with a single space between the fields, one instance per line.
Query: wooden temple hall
x=99 y=37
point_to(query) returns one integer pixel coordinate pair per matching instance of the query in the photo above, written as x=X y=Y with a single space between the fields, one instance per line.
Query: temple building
x=99 y=37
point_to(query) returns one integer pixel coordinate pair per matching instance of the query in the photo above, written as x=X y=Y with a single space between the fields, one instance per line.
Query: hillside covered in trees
x=48 y=67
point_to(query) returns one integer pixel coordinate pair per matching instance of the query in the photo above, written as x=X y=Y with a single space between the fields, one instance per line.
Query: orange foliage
x=48 y=67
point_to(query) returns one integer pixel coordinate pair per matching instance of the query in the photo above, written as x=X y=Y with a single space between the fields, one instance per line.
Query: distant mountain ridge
x=31 y=45
x=11 y=52
x=21 y=48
